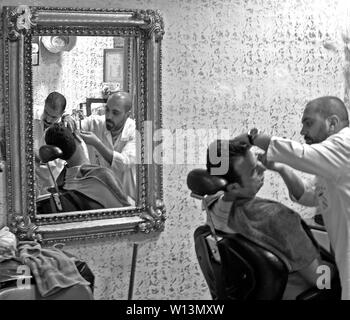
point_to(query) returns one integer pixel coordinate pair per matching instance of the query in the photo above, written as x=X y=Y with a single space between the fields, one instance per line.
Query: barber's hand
x=242 y=139
x=89 y=138
x=69 y=122
x=270 y=165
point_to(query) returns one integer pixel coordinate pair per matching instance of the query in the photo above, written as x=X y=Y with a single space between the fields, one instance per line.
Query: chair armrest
x=314 y=293
x=310 y=294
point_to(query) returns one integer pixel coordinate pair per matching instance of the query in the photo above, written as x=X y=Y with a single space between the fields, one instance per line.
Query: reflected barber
x=112 y=140
x=55 y=105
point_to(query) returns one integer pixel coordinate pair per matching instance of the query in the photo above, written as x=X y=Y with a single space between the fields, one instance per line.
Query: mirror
x=81 y=71
x=86 y=56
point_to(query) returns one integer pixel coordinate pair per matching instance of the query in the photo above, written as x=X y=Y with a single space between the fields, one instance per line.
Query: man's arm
x=294 y=183
x=299 y=192
x=323 y=159
x=127 y=157
x=260 y=140
x=89 y=126
x=91 y=139
x=117 y=160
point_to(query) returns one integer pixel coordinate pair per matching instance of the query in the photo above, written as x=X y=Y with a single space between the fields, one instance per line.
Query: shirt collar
x=71 y=172
x=345 y=129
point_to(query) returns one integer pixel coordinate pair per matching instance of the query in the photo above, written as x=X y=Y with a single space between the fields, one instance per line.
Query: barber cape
x=96 y=182
x=276 y=228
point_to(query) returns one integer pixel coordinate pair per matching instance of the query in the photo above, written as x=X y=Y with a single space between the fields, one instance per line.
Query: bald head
x=328 y=106
x=117 y=111
x=322 y=118
x=120 y=98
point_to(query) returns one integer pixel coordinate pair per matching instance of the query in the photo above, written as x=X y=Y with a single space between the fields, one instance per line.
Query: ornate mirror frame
x=19 y=25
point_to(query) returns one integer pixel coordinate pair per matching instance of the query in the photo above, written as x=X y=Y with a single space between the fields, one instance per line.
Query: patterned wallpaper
x=228 y=64
x=77 y=74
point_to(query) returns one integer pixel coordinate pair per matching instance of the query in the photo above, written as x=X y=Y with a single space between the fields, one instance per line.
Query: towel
x=276 y=227
x=52 y=269
x=8 y=244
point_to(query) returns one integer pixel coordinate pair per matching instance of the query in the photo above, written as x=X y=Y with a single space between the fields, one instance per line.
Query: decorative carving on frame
x=155 y=218
x=19 y=21
x=19 y=25
x=155 y=22
x=25 y=229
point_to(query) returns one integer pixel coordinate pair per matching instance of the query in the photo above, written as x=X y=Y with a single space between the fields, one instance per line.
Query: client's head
x=237 y=164
x=55 y=104
x=62 y=137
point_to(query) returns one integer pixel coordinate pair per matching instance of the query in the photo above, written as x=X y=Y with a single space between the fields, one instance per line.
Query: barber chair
x=60 y=200
x=236 y=268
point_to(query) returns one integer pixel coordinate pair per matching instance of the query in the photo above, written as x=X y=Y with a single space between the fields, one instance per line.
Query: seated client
x=93 y=181
x=265 y=222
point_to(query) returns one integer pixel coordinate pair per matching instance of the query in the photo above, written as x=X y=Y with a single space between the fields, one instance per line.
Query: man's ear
x=127 y=114
x=232 y=186
x=333 y=123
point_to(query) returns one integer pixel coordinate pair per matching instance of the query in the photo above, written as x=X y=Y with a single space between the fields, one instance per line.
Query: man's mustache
x=308 y=140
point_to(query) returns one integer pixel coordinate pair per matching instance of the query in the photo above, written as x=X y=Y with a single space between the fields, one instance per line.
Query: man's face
x=115 y=115
x=51 y=115
x=315 y=128
x=251 y=172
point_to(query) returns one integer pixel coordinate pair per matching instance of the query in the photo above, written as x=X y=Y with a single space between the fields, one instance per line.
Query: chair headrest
x=201 y=183
x=48 y=153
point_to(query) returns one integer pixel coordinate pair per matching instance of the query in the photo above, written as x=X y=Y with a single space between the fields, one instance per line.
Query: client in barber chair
x=95 y=182
x=265 y=222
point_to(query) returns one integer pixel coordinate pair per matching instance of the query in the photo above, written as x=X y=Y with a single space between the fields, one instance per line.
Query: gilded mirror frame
x=19 y=25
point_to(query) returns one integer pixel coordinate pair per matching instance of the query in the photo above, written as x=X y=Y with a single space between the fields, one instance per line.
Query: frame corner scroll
x=154 y=218
x=20 y=20
x=155 y=22
x=24 y=229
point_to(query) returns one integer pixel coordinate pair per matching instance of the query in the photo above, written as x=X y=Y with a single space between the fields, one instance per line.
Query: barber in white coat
x=325 y=154
x=113 y=140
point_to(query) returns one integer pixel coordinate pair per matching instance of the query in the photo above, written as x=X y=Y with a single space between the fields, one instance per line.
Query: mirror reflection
x=84 y=128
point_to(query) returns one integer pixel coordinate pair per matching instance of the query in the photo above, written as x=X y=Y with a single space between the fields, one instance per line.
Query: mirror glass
x=82 y=72
x=98 y=178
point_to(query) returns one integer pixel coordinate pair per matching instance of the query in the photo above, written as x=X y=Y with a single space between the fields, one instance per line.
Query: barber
x=325 y=154
x=112 y=140
x=54 y=107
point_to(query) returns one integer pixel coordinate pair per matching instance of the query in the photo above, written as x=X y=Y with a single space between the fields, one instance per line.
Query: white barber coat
x=330 y=162
x=124 y=151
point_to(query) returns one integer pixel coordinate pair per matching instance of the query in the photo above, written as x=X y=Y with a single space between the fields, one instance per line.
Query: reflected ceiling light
x=56 y=44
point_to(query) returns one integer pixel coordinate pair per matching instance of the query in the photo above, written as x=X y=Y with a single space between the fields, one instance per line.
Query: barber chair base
x=71 y=200
x=245 y=272
x=76 y=292
x=238 y=269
